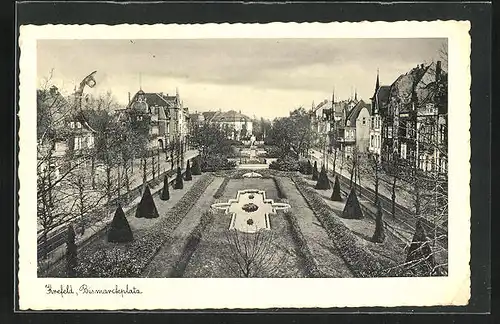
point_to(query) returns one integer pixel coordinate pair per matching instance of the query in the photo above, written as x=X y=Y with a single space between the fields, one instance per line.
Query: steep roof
x=161 y=114
x=155 y=99
x=382 y=96
x=354 y=113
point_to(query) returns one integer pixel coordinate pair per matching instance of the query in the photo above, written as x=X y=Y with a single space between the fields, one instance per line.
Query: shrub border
x=358 y=258
x=222 y=188
x=145 y=248
x=303 y=248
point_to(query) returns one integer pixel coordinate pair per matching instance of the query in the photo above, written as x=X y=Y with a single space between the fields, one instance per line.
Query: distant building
x=336 y=122
x=236 y=125
x=165 y=118
x=378 y=114
x=417 y=118
x=69 y=135
x=359 y=117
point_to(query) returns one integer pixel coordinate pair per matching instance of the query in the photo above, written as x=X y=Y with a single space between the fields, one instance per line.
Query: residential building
x=236 y=125
x=379 y=102
x=165 y=117
x=417 y=107
x=359 y=117
x=64 y=134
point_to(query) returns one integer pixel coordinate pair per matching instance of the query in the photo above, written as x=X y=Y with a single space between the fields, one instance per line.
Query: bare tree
x=253 y=254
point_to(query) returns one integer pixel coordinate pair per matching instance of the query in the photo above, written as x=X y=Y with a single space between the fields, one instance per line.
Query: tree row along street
x=54 y=247
x=404 y=220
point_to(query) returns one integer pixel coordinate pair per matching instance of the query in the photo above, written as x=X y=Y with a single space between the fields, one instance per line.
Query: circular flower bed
x=251 y=207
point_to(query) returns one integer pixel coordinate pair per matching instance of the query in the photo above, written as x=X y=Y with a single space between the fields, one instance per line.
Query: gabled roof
x=354 y=113
x=382 y=96
x=155 y=99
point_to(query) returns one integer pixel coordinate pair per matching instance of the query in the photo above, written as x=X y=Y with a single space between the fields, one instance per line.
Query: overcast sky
x=262 y=77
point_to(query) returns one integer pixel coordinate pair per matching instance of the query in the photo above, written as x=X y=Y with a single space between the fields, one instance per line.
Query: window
x=408 y=128
x=442 y=133
x=389 y=132
x=72 y=124
x=403 y=150
x=372 y=141
x=78 y=143
x=364 y=120
x=78 y=125
x=373 y=122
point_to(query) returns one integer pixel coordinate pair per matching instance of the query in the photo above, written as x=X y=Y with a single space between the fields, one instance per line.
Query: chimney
x=438 y=70
x=422 y=66
x=129 y=97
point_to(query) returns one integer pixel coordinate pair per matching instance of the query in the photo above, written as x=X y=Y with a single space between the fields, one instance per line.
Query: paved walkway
x=320 y=244
x=165 y=259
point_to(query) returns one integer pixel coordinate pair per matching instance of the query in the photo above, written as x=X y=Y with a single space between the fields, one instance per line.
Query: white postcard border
x=206 y=293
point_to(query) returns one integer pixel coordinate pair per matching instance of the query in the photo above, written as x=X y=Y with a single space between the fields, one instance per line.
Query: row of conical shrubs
x=120 y=231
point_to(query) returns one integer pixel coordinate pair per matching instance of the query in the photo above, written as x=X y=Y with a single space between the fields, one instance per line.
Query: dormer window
x=71 y=124
x=78 y=125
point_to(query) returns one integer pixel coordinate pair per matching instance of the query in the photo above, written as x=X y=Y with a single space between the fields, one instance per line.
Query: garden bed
x=211 y=257
x=128 y=260
x=361 y=261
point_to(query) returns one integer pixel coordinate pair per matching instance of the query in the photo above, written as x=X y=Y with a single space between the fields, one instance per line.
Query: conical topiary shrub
x=187 y=174
x=179 y=184
x=146 y=208
x=352 y=209
x=165 y=193
x=315 y=171
x=196 y=169
x=71 y=252
x=119 y=230
x=336 y=191
x=323 y=181
x=420 y=250
x=379 y=235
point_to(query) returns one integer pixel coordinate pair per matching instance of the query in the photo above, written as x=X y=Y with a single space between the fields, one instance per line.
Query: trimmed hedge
x=280 y=188
x=303 y=249
x=222 y=187
x=285 y=164
x=191 y=245
x=359 y=259
x=129 y=260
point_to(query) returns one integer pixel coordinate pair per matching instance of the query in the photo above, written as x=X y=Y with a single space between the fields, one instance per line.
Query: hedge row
x=191 y=245
x=280 y=188
x=304 y=252
x=222 y=187
x=129 y=260
x=359 y=259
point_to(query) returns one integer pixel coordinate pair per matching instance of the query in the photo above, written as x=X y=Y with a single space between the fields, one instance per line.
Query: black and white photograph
x=229 y=158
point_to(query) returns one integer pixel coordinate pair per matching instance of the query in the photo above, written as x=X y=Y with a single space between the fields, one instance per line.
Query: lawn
x=212 y=257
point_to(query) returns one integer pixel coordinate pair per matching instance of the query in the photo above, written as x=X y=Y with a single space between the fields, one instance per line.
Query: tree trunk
x=93 y=171
x=393 y=197
x=153 y=166
x=144 y=170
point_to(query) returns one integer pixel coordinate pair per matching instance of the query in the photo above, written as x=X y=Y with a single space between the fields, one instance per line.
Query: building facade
x=236 y=125
x=163 y=117
x=415 y=128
